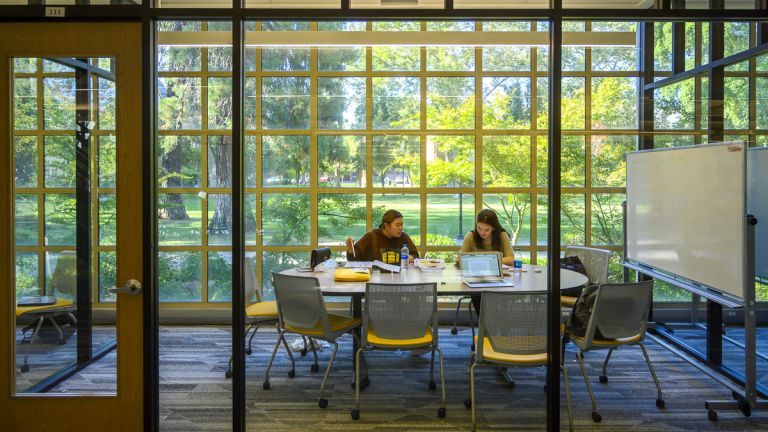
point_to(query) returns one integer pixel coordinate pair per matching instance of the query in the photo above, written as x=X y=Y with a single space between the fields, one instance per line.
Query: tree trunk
x=171 y=206
x=221 y=159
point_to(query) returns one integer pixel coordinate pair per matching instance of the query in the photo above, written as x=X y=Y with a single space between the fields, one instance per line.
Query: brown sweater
x=370 y=246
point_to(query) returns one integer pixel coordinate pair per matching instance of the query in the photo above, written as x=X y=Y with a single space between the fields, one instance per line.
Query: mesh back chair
x=302 y=311
x=595 y=263
x=64 y=287
x=620 y=312
x=257 y=314
x=512 y=332
x=400 y=317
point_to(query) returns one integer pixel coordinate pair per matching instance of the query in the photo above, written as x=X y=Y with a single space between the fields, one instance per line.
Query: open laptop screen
x=480 y=265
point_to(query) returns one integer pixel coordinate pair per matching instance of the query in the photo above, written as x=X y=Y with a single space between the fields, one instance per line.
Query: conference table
x=448 y=280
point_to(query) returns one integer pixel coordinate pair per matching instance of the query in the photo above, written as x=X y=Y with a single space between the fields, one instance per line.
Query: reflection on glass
x=59 y=103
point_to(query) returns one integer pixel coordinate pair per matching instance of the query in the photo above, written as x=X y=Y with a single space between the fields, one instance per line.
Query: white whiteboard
x=685 y=213
x=757 y=205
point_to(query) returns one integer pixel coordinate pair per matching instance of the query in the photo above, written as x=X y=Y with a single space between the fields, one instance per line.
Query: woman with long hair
x=488 y=235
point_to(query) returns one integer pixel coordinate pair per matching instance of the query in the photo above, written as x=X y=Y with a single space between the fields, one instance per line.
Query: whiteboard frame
x=707 y=291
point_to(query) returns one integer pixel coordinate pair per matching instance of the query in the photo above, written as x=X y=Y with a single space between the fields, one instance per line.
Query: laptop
x=36 y=301
x=483 y=270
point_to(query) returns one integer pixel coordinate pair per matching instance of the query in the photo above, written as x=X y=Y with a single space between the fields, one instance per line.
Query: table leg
x=357 y=312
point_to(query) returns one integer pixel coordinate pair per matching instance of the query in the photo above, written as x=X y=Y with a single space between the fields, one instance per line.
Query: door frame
x=123 y=411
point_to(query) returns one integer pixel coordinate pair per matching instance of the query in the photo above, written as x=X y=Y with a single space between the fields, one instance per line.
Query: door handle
x=132 y=287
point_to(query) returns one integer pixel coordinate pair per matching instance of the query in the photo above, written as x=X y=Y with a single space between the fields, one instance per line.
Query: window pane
x=661 y=141
x=542 y=220
x=179 y=106
x=219 y=161
x=449 y=218
x=607 y=219
x=396 y=58
x=250 y=101
x=285 y=219
x=60 y=219
x=450 y=161
x=220 y=276
x=251 y=150
x=572 y=219
x=454 y=26
x=762 y=102
x=219 y=58
x=26 y=270
x=573 y=103
x=178 y=161
x=285 y=103
x=573 y=161
x=25 y=161
x=608 y=159
x=511 y=58
x=107 y=104
x=24 y=65
x=107 y=276
x=219 y=219
x=59 y=103
x=673 y=106
x=219 y=103
x=285 y=59
x=662 y=52
x=614 y=58
x=506 y=103
x=574 y=58
x=396 y=161
x=178 y=219
x=396 y=103
x=614 y=103
x=25 y=219
x=341 y=161
x=107 y=219
x=407 y=204
x=341 y=59
x=178 y=59
x=514 y=211
x=107 y=161
x=285 y=161
x=507 y=26
x=179 y=276
x=25 y=103
x=59 y=161
x=507 y=161
x=250 y=219
x=450 y=103
x=736 y=40
x=340 y=216
x=450 y=58
x=341 y=103
x=542 y=103
x=736 y=103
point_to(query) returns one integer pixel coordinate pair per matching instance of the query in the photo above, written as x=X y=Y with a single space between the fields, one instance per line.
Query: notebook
x=482 y=270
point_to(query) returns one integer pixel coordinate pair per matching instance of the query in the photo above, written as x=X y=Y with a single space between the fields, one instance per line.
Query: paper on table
x=359 y=264
x=389 y=267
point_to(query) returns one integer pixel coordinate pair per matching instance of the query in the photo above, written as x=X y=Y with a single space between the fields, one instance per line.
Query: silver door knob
x=132 y=287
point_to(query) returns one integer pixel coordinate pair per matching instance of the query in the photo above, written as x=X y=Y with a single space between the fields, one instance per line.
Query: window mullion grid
x=423 y=140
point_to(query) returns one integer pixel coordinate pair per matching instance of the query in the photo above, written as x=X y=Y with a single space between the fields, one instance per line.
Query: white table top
x=448 y=280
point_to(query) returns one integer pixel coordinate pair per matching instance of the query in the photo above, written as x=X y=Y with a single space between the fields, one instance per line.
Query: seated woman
x=488 y=235
x=388 y=237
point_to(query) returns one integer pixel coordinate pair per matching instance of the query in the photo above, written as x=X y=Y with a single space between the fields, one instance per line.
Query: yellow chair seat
x=566 y=301
x=338 y=323
x=609 y=342
x=60 y=304
x=490 y=354
x=374 y=339
x=262 y=309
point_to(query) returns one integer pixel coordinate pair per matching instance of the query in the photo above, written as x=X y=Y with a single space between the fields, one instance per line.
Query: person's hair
x=488 y=216
x=389 y=216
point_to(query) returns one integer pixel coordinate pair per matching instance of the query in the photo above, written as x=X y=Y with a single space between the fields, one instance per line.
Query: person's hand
x=350 y=245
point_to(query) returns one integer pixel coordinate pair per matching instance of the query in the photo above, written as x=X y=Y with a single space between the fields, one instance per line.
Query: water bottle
x=518 y=263
x=404 y=258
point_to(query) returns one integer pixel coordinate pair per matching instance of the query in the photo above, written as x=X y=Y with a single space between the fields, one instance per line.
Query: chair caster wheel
x=365 y=382
x=292 y=373
x=228 y=374
x=304 y=352
x=265 y=386
x=355 y=415
x=712 y=415
x=454 y=331
x=597 y=418
x=468 y=403
x=441 y=412
x=248 y=351
x=322 y=403
x=660 y=403
x=25 y=368
x=432 y=385
x=314 y=367
x=603 y=379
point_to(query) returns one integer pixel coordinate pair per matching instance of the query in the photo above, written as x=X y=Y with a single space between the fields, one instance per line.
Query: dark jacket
x=370 y=246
